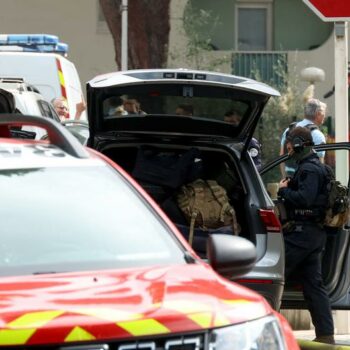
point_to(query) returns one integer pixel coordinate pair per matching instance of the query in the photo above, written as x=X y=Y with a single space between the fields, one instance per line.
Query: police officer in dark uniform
x=305 y=198
x=254 y=148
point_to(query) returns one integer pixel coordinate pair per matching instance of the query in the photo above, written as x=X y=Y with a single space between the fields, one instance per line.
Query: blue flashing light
x=28 y=39
x=62 y=47
x=33 y=43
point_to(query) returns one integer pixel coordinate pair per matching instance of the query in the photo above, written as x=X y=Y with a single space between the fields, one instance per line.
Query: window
x=253 y=25
x=47 y=110
x=165 y=99
x=88 y=224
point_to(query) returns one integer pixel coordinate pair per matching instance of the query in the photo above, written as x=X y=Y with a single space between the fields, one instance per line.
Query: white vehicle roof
x=38 y=155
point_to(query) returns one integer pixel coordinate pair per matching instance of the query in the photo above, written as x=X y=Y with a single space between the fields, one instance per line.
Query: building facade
x=242 y=34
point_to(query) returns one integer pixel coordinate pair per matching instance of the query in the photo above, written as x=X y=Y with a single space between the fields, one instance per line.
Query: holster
x=288 y=227
x=282 y=211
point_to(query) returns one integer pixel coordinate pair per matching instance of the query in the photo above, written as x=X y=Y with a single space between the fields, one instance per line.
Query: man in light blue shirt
x=314 y=116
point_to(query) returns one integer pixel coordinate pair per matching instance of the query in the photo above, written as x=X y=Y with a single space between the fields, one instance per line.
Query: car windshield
x=208 y=102
x=78 y=218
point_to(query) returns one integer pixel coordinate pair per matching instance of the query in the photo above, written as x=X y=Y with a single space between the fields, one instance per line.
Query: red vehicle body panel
x=121 y=304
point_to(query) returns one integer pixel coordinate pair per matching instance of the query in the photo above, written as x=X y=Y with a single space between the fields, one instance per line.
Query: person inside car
x=184 y=109
x=132 y=106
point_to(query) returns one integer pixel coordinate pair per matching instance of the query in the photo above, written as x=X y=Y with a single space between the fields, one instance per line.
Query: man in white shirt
x=314 y=116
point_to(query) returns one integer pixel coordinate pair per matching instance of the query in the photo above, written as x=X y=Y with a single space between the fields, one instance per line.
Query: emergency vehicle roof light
x=32 y=43
x=28 y=39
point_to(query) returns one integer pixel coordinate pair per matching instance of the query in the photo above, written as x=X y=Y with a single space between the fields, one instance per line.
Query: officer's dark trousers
x=303 y=256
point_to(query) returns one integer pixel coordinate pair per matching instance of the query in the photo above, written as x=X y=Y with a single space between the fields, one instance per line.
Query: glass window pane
x=168 y=99
x=252 y=33
x=62 y=219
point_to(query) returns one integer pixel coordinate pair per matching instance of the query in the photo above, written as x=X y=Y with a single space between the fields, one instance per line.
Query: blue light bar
x=62 y=47
x=32 y=43
x=28 y=39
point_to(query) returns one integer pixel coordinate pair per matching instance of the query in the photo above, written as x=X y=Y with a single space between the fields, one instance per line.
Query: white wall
x=322 y=57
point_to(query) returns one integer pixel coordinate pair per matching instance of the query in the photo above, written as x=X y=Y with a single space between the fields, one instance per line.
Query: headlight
x=262 y=334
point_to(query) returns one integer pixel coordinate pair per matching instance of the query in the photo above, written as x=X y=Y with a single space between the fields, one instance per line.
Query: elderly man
x=314 y=116
x=61 y=107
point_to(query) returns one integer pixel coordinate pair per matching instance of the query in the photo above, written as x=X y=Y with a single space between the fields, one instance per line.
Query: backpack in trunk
x=205 y=204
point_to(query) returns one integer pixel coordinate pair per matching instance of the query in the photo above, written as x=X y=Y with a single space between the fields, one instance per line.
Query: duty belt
x=306 y=212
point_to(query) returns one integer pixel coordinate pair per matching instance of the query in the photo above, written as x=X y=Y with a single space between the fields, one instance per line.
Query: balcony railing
x=266 y=66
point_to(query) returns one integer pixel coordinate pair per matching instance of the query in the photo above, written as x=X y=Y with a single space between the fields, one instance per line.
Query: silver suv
x=17 y=96
x=172 y=111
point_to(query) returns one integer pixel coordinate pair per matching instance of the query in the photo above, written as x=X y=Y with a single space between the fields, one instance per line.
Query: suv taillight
x=270 y=220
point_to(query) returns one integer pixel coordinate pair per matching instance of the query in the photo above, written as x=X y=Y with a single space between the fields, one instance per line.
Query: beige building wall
x=75 y=22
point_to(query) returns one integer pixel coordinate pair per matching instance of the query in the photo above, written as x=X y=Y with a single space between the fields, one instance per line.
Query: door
x=336 y=257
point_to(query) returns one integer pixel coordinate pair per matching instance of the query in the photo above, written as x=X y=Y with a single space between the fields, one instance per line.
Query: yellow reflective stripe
x=108 y=314
x=61 y=77
x=186 y=306
x=34 y=319
x=203 y=319
x=78 y=334
x=200 y=313
x=15 y=336
x=221 y=320
x=208 y=319
x=143 y=327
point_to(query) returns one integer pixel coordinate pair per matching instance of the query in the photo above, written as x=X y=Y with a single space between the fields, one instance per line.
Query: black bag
x=338 y=206
x=168 y=169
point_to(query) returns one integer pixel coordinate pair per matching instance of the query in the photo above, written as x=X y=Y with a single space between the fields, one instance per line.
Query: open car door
x=336 y=257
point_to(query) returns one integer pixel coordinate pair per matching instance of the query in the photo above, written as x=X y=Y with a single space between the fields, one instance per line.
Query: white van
x=52 y=73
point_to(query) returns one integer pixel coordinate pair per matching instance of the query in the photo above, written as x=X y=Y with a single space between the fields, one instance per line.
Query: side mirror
x=230 y=256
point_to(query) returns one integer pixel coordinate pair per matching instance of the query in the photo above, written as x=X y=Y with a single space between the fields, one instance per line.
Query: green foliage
x=200 y=25
x=279 y=112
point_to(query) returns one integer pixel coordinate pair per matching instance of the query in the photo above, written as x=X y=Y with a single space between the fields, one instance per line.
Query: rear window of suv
x=207 y=102
x=60 y=219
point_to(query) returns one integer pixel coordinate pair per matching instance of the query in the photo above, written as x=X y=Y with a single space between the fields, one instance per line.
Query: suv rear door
x=154 y=121
x=336 y=258
x=161 y=91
